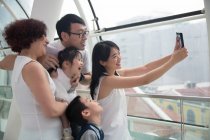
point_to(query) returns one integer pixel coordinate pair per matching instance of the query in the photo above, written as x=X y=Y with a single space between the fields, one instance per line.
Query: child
x=108 y=81
x=70 y=62
x=86 y=113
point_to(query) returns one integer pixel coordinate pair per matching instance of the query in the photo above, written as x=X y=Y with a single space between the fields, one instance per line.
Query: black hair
x=64 y=24
x=101 y=52
x=74 y=111
x=68 y=54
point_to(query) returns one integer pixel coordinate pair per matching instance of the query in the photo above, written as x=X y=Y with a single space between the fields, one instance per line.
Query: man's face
x=77 y=36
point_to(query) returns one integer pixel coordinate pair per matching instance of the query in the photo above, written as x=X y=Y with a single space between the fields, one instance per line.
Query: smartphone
x=181 y=39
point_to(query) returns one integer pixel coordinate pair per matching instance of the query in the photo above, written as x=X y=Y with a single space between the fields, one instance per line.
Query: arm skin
x=36 y=79
x=8 y=62
x=133 y=81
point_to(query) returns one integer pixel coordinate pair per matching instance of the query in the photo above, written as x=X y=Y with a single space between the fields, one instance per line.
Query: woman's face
x=39 y=46
x=114 y=60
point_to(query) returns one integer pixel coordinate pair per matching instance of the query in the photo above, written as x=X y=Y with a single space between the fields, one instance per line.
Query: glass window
x=141 y=46
x=15 y=8
x=190 y=117
x=27 y=5
x=111 y=13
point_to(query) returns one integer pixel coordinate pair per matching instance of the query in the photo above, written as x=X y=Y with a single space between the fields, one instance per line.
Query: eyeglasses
x=83 y=34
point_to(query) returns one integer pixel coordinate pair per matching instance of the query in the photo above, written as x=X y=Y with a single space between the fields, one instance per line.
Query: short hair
x=21 y=33
x=64 y=24
x=74 y=111
x=68 y=54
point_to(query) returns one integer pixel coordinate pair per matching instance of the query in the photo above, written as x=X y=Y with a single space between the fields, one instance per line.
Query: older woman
x=33 y=89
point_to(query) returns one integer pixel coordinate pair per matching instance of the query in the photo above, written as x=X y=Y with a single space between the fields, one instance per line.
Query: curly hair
x=21 y=33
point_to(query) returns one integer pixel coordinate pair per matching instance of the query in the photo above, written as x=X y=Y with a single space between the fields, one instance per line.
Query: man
x=71 y=31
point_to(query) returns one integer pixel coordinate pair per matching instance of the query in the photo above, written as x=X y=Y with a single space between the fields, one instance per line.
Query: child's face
x=92 y=105
x=77 y=63
x=74 y=67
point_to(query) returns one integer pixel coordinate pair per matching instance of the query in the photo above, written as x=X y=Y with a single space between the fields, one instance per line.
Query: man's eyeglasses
x=82 y=34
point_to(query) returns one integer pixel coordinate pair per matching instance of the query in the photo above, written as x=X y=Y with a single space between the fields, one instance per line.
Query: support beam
x=49 y=12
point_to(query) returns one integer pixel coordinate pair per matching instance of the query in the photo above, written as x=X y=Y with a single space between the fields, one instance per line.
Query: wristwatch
x=82 y=77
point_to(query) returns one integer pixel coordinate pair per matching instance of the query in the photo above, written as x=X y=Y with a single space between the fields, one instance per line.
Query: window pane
x=15 y=8
x=27 y=5
x=118 y=12
x=141 y=46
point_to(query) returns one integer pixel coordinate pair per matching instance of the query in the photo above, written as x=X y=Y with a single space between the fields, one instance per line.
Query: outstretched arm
x=8 y=62
x=150 y=66
x=111 y=82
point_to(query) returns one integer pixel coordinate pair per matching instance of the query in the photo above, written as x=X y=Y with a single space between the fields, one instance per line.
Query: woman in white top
x=33 y=89
x=108 y=81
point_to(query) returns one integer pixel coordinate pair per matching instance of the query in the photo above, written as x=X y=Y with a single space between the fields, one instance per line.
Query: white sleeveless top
x=114 y=115
x=63 y=85
x=35 y=125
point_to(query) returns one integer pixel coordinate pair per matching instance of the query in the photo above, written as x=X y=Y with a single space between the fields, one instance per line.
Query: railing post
x=182 y=119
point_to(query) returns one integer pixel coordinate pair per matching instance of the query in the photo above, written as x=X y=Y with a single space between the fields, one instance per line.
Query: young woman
x=33 y=89
x=108 y=81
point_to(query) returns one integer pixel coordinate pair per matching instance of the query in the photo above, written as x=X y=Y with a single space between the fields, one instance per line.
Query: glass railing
x=166 y=117
x=5 y=102
x=150 y=116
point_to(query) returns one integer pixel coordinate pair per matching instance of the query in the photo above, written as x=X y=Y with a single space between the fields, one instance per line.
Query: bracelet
x=82 y=77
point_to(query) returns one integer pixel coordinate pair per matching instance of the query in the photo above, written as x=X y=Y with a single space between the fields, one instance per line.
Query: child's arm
x=8 y=62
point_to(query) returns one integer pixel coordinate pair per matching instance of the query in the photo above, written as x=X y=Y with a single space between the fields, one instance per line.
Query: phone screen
x=180 y=36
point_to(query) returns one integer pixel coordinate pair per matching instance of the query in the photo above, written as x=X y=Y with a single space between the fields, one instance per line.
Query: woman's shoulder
x=32 y=67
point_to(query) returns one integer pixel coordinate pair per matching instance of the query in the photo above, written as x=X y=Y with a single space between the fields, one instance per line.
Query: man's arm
x=48 y=61
x=8 y=62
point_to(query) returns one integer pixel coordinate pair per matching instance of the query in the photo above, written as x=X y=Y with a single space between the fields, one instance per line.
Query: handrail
x=152 y=120
x=162 y=19
x=99 y=33
x=164 y=96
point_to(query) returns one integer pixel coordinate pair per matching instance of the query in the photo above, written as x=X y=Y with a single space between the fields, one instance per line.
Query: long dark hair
x=101 y=52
